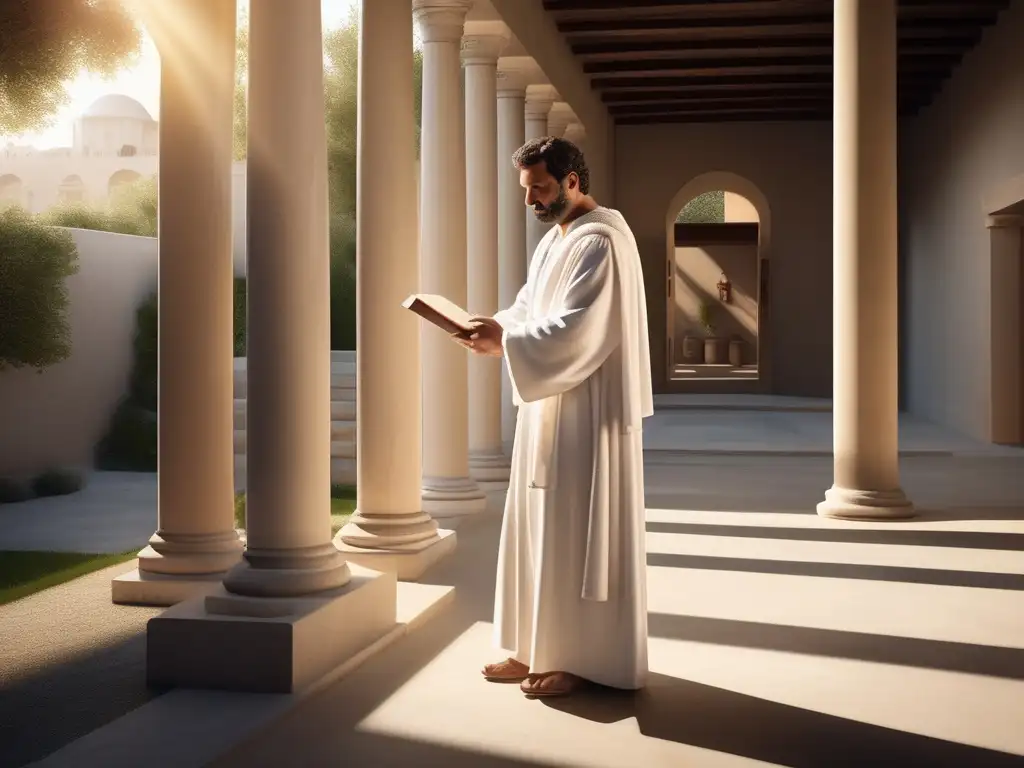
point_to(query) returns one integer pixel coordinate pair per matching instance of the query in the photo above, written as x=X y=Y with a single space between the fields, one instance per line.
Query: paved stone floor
x=777 y=638
x=116 y=512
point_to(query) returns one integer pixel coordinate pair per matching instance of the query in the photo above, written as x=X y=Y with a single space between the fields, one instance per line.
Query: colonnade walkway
x=777 y=638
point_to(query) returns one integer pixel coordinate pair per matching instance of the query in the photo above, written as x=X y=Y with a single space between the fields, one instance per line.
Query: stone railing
x=343 y=417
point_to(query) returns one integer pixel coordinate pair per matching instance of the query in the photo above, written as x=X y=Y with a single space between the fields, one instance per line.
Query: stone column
x=1006 y=384
x=559 y=118
x=195 y=542
x=539 y=101
x=512 y=257
x=288 y=419
x=577 y=134
x=481 y=45
x=320 y=613
x=389 y=530
x=865 y=360
x=449 y=493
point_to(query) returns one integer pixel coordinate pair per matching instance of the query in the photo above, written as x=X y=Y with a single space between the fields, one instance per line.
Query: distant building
x=115 y=141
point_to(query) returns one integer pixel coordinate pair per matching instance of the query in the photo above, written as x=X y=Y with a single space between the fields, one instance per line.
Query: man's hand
x=485 y=339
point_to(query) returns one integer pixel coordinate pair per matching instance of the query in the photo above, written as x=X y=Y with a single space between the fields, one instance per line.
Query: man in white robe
x=571 y=594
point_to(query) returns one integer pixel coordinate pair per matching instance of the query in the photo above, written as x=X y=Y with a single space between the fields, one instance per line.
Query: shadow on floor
x=968 y=658
x=327 y=724
x=934 y=576
x=42 y=713
x=1013 y=542
x=734 y=723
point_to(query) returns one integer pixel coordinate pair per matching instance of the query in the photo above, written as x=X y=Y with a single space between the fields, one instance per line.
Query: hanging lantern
x=725 y=289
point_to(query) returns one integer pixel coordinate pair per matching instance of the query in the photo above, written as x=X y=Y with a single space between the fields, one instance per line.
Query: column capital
x=559 y=117
x=483 y=42
x=441 y=21
x=515 y=73
x=539 y=101
x=575 y=132
x=1005 y=220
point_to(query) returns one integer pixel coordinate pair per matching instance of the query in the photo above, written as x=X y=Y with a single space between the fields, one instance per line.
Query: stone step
x=341 y=446
x=341 y=378
x=342 y=388
x=343 y=471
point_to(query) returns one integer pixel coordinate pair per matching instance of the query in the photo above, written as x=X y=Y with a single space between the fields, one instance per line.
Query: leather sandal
x=533 y=685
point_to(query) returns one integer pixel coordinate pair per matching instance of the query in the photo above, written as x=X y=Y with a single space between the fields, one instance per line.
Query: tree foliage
x=46 y=43
x=708 y=208
x=35 y=262
x=341 y=89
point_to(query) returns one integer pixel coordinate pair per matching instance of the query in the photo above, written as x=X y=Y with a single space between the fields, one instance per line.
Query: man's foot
x=550 y=684
x=507 y=671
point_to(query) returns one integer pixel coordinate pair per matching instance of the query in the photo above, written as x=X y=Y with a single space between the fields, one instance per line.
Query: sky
x=141 y=82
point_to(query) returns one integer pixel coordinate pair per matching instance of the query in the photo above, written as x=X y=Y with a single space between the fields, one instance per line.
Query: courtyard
x=777 y=638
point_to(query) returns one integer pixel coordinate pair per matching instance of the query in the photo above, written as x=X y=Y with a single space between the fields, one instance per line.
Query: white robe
x=571 y=590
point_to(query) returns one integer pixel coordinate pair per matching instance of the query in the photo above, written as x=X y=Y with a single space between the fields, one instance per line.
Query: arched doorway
x=71 y=190
x=718 y=235
x=120 y=179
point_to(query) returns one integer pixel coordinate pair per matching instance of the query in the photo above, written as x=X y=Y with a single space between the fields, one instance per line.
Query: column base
x=140 y=588
x=853 y=504
x=189 y=554
x=268 y=645
x=407 y=561
x=490 y=470
x=288 y=573
x=452 y=499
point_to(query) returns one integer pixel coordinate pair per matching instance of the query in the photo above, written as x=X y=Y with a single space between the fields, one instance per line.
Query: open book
x=449 y=317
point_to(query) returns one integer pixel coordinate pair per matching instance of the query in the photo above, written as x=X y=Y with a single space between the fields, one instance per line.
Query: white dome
x=117 y=105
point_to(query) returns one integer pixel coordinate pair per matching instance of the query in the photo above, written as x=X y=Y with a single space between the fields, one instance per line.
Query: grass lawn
x=25 y=573
x=343 y=504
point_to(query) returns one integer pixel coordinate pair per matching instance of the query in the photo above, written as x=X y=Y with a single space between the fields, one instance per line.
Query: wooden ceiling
x=674 y=61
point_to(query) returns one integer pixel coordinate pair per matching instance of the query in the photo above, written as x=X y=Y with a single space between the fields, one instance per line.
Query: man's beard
x=555 y=211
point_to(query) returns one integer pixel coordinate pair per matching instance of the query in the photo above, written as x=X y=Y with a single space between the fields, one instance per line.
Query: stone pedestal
x=292 y=610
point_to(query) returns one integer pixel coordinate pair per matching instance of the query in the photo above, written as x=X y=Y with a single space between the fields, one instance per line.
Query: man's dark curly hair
x=560 y=156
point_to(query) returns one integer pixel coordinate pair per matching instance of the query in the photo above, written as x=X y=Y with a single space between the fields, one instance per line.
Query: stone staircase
x=343 y=418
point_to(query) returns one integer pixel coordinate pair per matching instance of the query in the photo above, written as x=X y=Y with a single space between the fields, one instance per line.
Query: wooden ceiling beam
x=755 y=80
x=730 y=117
x=767 y=90
x=744 y=26
x=766 y=64
x=756 y=47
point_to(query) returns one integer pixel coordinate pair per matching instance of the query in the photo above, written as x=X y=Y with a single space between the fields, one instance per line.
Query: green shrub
x=35 y=262
x=130 y=444
x=142 y=384
x=57 y=482
x=132 y=211
x=343 y=284
x=239 y=323
x=239 y=510
x=342 y=291
x=12 y=491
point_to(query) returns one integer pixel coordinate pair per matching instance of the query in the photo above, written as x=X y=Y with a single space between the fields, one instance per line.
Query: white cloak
x=571 y=585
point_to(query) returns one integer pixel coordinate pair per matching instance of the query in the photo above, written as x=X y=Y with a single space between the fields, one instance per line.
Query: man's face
x=549 y=199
